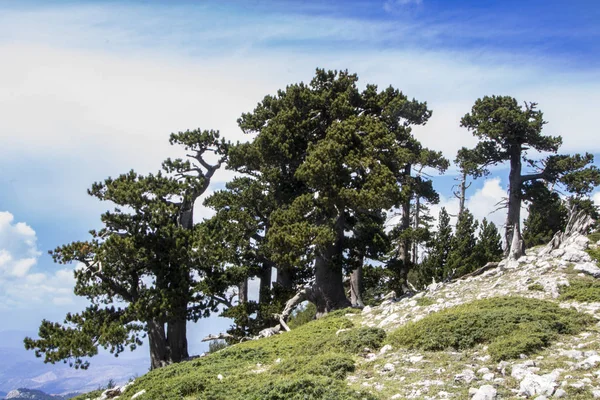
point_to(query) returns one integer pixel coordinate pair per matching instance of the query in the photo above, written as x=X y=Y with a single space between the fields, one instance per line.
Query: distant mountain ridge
x=21 y=369
x=33 y=394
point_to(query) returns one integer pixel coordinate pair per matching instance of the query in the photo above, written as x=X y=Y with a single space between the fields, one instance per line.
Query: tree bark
x=462 y=194
x=356 y=286
x=157 y=342
x=513 y=218
x=328 y=291
x=264 y=291
x=177 y=340
x=243 y=291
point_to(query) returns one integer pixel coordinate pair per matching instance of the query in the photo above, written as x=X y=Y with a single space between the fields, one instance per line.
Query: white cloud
x=596 y=198
x=20 y=287
x=393 y=5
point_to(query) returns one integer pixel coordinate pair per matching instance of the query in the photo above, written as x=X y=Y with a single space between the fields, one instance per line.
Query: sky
x=93 y=89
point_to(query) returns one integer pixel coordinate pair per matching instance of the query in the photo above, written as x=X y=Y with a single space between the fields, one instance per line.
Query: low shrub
x=583 y=290
x=355 y=340
x=510 y=325
x=535 y=287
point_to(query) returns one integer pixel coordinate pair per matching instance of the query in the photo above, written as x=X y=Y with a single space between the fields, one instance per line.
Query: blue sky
x=92 y=89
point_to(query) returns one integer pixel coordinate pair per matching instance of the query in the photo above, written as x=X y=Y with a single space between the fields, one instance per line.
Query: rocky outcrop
x=572 y=365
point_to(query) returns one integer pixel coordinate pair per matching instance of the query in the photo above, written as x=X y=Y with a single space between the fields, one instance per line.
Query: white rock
x=488 y=377
x=220 y=377
x=467 y=376
x=576 y=354
x=385 y=349
x=533 y=384
x=560 y=393
x=589 y=362
x=138 y=394
x=541 y=398
x=367 y=310
x=396 y=396
x=589 y=268
x=389 y=367
x=486 y=392
x=596 y=394
x=415 y=359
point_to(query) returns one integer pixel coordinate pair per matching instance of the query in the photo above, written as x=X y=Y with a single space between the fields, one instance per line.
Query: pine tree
x=433 y=265
x=489 y=244
x=144 y=270
x=547 y=214
x=508 y=132
x=461 y=259
x=329 y=153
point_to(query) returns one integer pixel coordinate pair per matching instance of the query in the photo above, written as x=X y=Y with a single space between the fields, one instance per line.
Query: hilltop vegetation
x=329 y=167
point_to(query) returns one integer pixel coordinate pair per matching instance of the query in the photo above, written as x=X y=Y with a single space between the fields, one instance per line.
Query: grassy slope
x=314 y=360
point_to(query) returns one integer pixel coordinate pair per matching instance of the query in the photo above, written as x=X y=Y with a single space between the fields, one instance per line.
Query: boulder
x=485 y=392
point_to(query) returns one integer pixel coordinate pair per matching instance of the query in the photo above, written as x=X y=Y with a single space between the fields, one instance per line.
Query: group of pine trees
x=327 y=169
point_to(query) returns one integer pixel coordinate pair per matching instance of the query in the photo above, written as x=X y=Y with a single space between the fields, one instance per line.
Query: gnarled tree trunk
x=515 y=247
x=157 y=341
x=356 y=287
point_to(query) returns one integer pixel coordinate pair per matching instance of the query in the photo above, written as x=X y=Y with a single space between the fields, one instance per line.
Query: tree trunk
x=404 y=245
x=356 y=286
x=157 y=342
x=513 y=218
x=177 y=340
x=462 y=194
x=284 y=278
x=415 y=245
x=328 y=290
x=264 y=291
x=243 y=291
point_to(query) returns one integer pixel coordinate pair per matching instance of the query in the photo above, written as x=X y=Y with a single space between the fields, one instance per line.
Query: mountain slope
x=527 y=328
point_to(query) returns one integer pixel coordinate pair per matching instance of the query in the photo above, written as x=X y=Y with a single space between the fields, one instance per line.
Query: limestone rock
x=533 y=384
x=589 y=268
x=485 y=392
x=467 y=376
x=138 y=394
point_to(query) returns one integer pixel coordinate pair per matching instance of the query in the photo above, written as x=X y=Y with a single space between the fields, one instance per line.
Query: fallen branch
x=486 y=267
x=220 y=336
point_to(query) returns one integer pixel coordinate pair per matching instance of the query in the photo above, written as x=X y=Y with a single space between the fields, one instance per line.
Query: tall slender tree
x=507 y=132
x=462 y=258
x=489 y=244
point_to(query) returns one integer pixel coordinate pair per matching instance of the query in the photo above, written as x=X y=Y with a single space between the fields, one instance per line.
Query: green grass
x=310 y=362
x=509 y=325
x=583 y=290
x=594 y=237
x=425 y=301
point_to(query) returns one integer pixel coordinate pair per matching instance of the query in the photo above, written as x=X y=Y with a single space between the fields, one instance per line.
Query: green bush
x=584 y=290
x=535 y=287
x=510 y=325
x=354 y=341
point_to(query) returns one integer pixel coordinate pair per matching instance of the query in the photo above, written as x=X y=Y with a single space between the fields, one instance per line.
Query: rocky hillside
x=523 y=329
